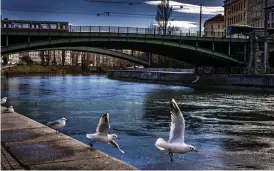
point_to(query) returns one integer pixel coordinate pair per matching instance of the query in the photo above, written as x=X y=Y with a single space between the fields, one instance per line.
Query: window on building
x=244 y=15
x=45 y=26
x=25 y=25
x=212 y=26
x=53 y=26
x=219 y=26
x=244 y=3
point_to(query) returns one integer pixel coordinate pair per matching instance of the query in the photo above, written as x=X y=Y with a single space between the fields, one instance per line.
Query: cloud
x=190 y=8
x=180 y=24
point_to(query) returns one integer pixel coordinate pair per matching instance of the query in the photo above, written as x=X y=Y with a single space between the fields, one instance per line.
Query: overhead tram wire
x=117 y=13
x=186 y=15
x=116 y=2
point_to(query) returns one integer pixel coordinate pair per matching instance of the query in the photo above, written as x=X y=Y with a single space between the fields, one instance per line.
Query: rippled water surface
x=232 y=130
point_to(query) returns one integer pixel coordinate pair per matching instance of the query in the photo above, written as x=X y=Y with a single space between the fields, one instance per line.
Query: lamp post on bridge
x=200 y=26
x=265 y=37
x=200 y=18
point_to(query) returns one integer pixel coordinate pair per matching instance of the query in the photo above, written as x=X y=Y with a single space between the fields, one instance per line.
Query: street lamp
x=200 y=27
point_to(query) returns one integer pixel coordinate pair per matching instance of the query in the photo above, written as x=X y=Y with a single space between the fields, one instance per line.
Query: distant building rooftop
x=217 y=18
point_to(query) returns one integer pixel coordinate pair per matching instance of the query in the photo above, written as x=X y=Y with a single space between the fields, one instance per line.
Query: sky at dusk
x=82 y=12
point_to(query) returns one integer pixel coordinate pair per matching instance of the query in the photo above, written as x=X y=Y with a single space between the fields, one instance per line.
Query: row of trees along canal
x=81 y=61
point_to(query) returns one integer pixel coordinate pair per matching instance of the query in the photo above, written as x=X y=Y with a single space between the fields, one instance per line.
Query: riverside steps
x=27 y=144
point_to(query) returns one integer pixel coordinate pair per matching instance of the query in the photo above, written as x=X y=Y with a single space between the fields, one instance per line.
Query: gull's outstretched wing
x=177 y=127
x=53 y=123
x=103 y=126
x=114 y=144
x=197 y=79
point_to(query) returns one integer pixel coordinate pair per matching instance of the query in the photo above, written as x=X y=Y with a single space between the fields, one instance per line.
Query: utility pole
x=200 y=29
x=265 y=38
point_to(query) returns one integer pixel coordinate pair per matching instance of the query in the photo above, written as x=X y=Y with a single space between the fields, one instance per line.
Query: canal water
x=232 y=130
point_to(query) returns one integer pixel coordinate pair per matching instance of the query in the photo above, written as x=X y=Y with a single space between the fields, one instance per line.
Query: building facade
x=235 y=12
x=14 y=58
x=270 y=8
x=248 y=12
x=215 y=26
x=255 y=17
x=34 y=56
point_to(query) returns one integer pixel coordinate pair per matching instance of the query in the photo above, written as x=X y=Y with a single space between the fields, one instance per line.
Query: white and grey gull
x=3 y=100
x=176 y=142
x=9 y=110
x=57 y=124
x=102 y=135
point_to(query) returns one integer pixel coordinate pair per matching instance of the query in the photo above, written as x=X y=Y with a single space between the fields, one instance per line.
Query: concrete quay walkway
x=27 y=144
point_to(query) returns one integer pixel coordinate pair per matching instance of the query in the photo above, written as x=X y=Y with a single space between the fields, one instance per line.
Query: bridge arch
x=180 y=51
x=111 y=53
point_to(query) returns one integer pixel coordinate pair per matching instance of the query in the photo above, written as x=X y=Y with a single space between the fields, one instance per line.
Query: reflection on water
x=231 y=130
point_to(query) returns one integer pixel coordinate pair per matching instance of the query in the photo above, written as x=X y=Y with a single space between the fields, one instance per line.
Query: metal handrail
x=146 y=31
x=142 y=31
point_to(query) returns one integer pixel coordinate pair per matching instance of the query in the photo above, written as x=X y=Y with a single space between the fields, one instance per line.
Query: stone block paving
x=8 y=162
x=36 y=146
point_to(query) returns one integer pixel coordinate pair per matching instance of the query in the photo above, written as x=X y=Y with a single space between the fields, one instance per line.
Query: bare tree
x=63 y=57
x=5 y=59
x=164 y=11
x=76 y=59
x=72 y=57
x=48 y=58
x=42 y=55
x=83 y=56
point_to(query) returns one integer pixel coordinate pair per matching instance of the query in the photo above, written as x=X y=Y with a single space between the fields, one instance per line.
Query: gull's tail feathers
x=161 y=144
x=90 y=136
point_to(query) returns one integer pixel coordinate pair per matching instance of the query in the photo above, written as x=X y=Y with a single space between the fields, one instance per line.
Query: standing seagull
x=102 y=135
x=175 y=143
x=3 y=100
x=9 y=110
x=58 y=124
x=197 y=79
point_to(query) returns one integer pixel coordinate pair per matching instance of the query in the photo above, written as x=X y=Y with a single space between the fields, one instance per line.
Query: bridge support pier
x=7 y=40
x=245 y=53
x=229 y=49
x=28 y=39
x=213 y=47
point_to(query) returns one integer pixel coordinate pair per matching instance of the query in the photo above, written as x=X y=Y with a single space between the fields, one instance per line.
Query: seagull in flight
x=58 y=124
x=197 y=79
x=102 y=135
x=176 y=142
x=3 y=100
x=9 y=110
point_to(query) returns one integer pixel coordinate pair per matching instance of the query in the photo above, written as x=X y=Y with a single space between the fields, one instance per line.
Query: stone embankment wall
x=240 y=82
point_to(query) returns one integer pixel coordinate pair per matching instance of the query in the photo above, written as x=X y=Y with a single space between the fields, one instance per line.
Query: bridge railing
x=149 y=31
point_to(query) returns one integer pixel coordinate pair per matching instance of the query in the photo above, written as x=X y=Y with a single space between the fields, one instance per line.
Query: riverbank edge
x=48 y=74
x=258 y=83
x=25 y=70
x=36 y=146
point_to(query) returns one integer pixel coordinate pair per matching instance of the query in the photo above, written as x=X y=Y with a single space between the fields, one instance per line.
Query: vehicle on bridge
x=27 y=25
x=243 y=31
x=238 y=31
